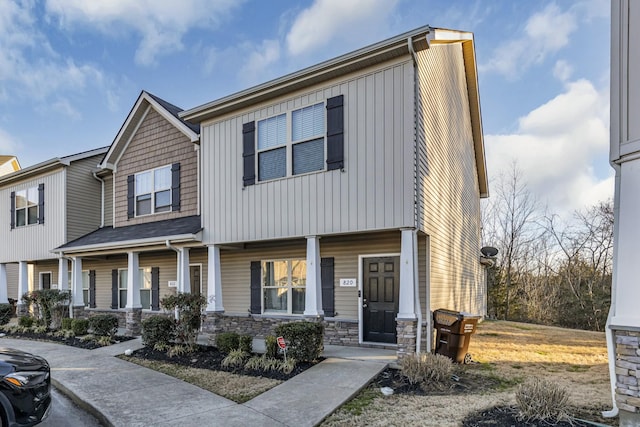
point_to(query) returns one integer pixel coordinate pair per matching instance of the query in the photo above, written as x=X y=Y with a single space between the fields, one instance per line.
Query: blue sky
x=70 y=70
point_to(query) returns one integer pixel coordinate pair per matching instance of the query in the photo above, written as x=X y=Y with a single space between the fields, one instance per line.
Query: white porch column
x=313 y=294
x=133 y=281
x=406 y=306
x=184 y=279
x=63 y=274
x=4 y=295
x=77 y=299
x=214 y=283
x=23 y=280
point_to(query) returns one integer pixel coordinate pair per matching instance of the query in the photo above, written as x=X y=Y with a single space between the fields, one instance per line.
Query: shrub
x=539 y=399
x=426 y=369
x=179 y=350
x=26 y=321
x=158 y=330
x=80 y=326
x=245 y=343
x=227 y=341
x=287 y=366
x=66 y=323
x=189 y=314
x=104 y=340
x=235 y=359
x=6 y=310
x=271 y=344
x=105 y=325
x=304 y=339
x=46 y=301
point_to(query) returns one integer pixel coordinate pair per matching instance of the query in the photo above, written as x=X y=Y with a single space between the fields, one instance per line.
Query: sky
x=70 y=71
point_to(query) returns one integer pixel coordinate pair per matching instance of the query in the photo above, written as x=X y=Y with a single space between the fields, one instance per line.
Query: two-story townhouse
x=47 y=204
x=149 y=242
x=348 y=193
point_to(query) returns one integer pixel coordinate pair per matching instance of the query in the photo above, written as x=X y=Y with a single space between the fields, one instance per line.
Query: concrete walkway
x=120 y=393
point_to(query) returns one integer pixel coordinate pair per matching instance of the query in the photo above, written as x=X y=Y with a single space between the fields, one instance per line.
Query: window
x=291 y=143
x=85 y=287
x=153 y=191
x=26 y=211
x=145 y=287
x=283 y=286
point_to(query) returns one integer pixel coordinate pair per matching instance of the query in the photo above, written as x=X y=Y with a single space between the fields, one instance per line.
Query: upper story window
x=154 y=191
x=27 y=206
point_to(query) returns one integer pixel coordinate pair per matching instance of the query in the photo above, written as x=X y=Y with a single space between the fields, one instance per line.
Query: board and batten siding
x=12 y=281
x=34 y=242
x=84 y=198
x=157 y=143
x=108 y=201
x=375 y=191
x=448 y=192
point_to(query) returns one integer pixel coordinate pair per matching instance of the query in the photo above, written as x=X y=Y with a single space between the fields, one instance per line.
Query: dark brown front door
x=380 y=289
x=194 y=272
x=46 y=280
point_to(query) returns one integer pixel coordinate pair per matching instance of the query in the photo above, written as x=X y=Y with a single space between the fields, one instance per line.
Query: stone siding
x=628 y=370
x=407 y=332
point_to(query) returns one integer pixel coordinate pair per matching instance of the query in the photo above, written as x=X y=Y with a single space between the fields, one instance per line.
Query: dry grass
x=573 y=359
x=239 y=388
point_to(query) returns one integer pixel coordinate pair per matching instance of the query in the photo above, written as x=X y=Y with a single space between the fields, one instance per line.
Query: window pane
x=307 y=122
x=123 y=299
x=272 y=132
x=299 y=273
x=21 y=217
x=85 y=296
x=21 y=199
x=143 y=183
x=297 y=301
x=143 y=204
x=275 y=299
x=275 y=273
x=33 y=215
x=123 y=279
x=145 y=298
x=163 y=201
x=162 y=179
x=145 y=278
x=308 y=156
x=85 y=280
x=272 y=164
x=32 y=196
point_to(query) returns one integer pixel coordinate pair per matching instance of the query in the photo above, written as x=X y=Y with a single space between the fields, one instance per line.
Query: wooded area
x=548 y=270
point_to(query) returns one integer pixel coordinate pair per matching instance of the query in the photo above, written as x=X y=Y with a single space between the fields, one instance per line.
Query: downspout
x=611 y=349
x=95 y=175
x=178 y=275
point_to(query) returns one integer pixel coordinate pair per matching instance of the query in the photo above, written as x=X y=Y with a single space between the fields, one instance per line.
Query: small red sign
x=281 y=343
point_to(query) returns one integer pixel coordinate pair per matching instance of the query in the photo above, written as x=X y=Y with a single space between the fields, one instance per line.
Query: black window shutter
x=249 y=153
x=130 y=196
x=155 y=288
x=114 y=288
x=327 y=279
x=13 y=210
x=256 y=303
x=335 y=133
x=92 y=288
x=41 y=204
x=175 y=187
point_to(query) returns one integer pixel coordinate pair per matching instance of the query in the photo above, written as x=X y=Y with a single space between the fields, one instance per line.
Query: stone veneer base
x=628 y=376
x=407 y=332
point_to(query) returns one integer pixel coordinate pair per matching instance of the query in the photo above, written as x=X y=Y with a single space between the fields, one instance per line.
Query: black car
x=25 y=388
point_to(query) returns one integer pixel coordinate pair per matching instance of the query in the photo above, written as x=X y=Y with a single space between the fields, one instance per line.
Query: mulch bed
x=73 y=341
x=208 y=357
x=507 y=416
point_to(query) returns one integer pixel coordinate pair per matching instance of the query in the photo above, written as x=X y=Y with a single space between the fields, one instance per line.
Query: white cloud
x=562 y=70
x=332 y=21
x=161 y=24
x=266 y=54
x=561 y=148
x=8 y=145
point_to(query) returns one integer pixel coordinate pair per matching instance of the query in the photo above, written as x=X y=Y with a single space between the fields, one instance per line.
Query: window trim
x=290 y=143
x=153 y=192
x=40 y=282
x=289 y=287
x=86 y=290
x=36 y=189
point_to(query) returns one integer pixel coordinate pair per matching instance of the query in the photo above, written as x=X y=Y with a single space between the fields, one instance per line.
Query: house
x=47 y=205
x=148 y=243
x=623 y=324
x=348 y=193
x=8 y=164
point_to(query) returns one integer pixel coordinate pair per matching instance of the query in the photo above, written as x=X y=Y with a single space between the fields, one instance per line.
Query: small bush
x=161 y=346
x=179 y=350
x=539 y=399
x=104 y=340
x=64 y=333
x=105 y=325
x=80 y=326
x=287 y=366
x=158 y=330
x=40 y=329
x=426 y=369
x=271 y=344
x=228 y=341
x=304 y=339
x=26 y=321
x=6 y=310
x=255 y=363
x=245 y=343
x=235 y=359
x=66 y=323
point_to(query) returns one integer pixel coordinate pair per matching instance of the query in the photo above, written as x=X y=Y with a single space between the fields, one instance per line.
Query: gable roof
x=8 y=164
x=137 y=114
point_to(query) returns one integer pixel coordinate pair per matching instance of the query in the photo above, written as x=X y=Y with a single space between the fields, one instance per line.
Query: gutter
x=95 y=175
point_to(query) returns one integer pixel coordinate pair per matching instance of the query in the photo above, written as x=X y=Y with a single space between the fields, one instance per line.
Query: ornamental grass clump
x=542 y=400
x=235 y=359
x=426 y=369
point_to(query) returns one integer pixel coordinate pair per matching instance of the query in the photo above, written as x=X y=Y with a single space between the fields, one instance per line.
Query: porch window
x=284 y=286
x=85 y=287
x=145 y=287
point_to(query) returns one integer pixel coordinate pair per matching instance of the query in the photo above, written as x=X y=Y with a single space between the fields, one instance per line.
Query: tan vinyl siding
x=34 y=242
x=374 y=192
x=108 y=201
x=157 y=143
x=47 y=266
x=448 y=195
x=84 y=194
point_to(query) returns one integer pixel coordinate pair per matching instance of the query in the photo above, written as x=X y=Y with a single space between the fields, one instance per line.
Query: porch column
x=214 y=281
x=77 y=299
x=23 y=287
x=313 y=294
x=63 y=274
x=133 y=309
x=4 y=297
x=406 y=305
x=184 y=279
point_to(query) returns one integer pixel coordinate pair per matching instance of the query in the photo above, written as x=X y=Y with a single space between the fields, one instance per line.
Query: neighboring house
x=348 y=192
x=8 y=164
x=148 y=244
x=623 y=324
x=47 y=205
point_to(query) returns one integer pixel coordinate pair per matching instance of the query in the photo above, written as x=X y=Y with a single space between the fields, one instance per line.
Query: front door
x=380 y=290
x=195 y=279
x=46 y=280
